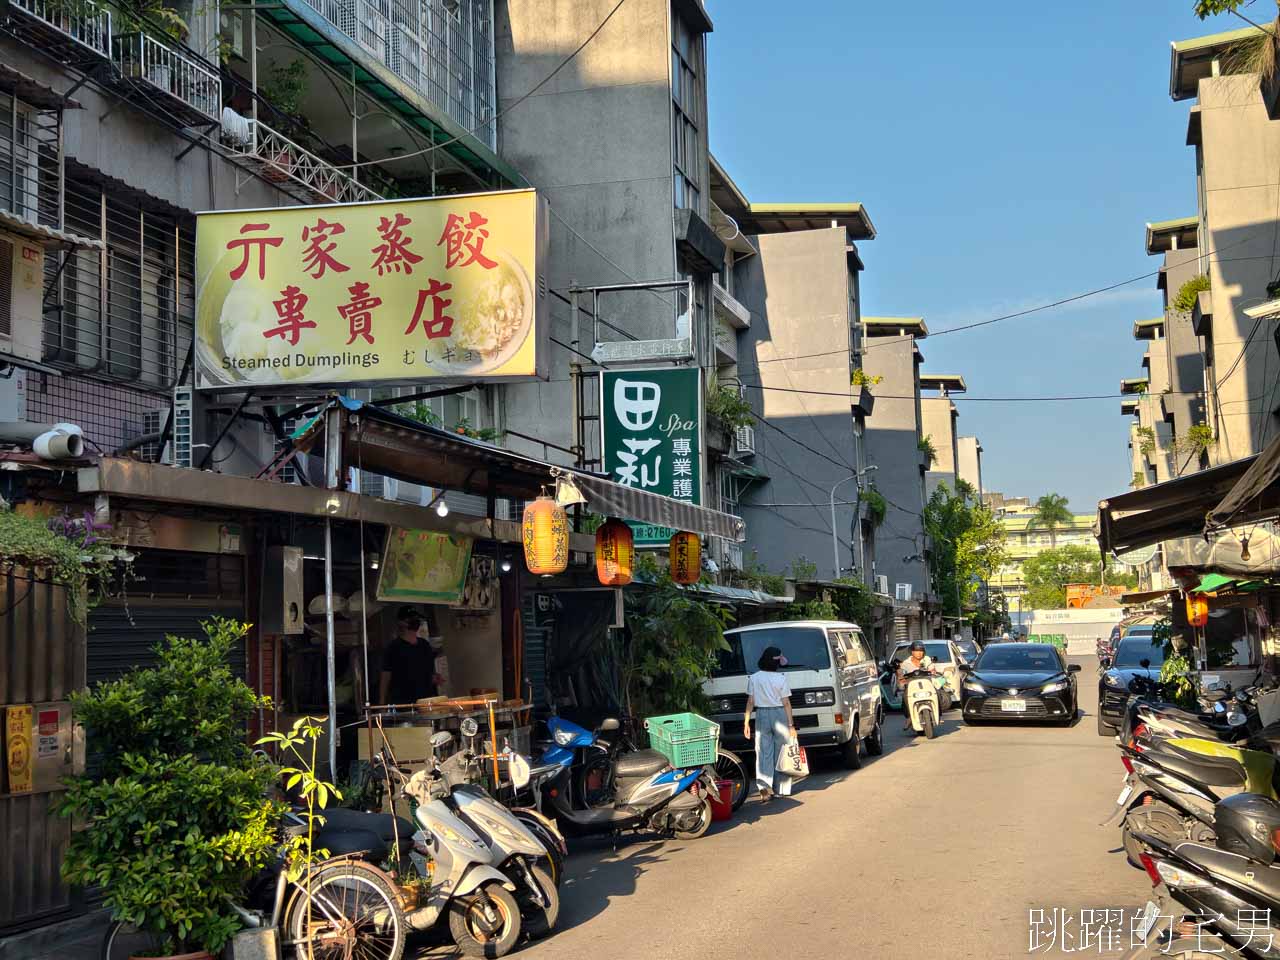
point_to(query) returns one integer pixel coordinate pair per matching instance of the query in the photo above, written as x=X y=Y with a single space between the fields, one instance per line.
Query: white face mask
x=437 y=643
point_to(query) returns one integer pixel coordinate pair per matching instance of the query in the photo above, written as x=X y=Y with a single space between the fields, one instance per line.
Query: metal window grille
x=686 y=97
x=109 y=415
x=29 y=166
x=124 y=314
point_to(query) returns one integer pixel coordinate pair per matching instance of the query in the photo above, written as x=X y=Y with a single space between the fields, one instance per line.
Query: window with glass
x=686 y=112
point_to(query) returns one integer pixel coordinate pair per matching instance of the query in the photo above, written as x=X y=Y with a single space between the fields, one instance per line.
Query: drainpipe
x=49 y=441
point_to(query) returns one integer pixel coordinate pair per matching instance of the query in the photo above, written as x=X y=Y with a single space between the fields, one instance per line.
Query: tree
x=968 y=545
x=1048 y=573
x=1051 y=513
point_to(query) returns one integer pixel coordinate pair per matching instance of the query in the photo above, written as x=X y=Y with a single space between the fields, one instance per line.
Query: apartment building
x=939 y=426
x=891 y=361
x=1025 y=538
x=1232 y=129
x=969 y=466
x=794 y=268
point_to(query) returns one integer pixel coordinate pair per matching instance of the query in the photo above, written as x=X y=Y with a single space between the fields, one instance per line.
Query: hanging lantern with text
x=546 y=537
x=1197 y=610
x=615 y=553
x=686 y=557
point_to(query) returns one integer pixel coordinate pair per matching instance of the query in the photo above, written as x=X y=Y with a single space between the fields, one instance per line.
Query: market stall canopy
x=1143 y=596
x=1165 y=511
x=1256 y=496
x=388 y=444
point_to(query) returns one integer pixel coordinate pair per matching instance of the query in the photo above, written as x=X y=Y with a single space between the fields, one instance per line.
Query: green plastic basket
x=686 y=739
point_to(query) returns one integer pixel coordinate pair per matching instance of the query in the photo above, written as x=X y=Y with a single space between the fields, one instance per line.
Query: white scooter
x=920 y=700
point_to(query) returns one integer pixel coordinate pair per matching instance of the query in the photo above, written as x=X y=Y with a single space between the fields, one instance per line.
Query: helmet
x=1005 y=635
x=1246 y=824
x=917 y=645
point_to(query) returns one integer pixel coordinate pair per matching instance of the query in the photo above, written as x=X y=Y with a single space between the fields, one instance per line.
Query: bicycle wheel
x=354 y=913
x=123 y=940
x=729 y=767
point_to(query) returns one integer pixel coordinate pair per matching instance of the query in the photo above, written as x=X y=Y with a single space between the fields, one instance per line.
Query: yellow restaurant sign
x=389 y=292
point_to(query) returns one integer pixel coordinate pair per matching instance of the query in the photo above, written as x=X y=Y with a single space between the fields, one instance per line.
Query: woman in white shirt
x=769 y=694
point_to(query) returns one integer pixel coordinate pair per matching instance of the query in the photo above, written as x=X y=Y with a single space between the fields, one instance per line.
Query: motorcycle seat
x=1210 y=771
x=1237 y=870
x=341 y=842
x=641 y=763
x=384 y=826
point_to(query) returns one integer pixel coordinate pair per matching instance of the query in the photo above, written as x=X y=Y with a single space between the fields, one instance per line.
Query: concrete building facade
x=1235 y=139
x=892 y=353
x=969 y=466
x=939 y=427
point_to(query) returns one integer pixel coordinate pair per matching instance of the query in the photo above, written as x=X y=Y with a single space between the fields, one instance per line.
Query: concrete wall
x=1240 y=163
x=969 y=466
x=1185 y=401
x=938 y=423
x=798 y=291
x=596 y=141
x=893 y=433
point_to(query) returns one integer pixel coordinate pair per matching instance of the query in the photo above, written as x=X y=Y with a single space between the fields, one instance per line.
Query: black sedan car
x=1019 y=681
x=1135 y=657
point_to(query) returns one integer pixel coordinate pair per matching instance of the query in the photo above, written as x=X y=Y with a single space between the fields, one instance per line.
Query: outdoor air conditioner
x=21 y=287
x=389 y=488
x=902 y=592
x=733 y=556
x=183 y=418
x=744 y=441
x=882 y=584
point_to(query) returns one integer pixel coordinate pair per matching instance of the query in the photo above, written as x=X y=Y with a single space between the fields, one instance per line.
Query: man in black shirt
x=408 y=663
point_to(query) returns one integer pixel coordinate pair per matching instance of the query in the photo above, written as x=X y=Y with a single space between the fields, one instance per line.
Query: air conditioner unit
x=21 y=287
x=744 y=441
x=882 y=584
x=389 y=488
x=183 y=422
x=902 y=592
x=733 y=556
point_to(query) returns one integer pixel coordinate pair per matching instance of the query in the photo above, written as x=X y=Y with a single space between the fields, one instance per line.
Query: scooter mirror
x=469 y=727
x=519 y=771
x=441 y=739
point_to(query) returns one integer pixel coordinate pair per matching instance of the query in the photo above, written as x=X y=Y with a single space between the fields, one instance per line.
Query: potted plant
x=175 y=814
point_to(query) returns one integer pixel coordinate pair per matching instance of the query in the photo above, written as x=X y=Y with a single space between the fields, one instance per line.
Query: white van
x=835 y=685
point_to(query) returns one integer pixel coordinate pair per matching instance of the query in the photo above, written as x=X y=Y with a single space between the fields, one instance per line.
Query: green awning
x=1212 y=583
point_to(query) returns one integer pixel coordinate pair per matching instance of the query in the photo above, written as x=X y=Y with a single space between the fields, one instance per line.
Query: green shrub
x=1185 y=300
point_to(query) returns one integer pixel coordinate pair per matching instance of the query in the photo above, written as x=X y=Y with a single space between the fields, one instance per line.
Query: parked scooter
x=648 y=794
x=922 y=702
x=1215 y=888
x=515 y=849
x=464 y=885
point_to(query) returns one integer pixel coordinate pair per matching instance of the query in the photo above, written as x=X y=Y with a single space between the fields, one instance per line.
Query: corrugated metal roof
x=46 y=236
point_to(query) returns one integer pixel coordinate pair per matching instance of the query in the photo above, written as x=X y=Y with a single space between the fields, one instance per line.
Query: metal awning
x=385 y=443
x=1144 y=596
x=1257 y=494
x=32 y=92
x=46 y=236
x=1165 y=511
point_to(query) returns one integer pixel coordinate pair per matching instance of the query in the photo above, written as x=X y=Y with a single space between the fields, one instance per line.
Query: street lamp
x=835 y=542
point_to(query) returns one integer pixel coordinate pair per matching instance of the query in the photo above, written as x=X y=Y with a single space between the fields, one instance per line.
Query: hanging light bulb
x=506 y=565
x=442 y=509
x=1244 y=547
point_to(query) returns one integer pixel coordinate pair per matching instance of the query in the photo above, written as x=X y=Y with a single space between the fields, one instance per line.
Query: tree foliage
x=674 y=640
x=968 y=545
x=1051 y=513
x=1048 y=573
x=177 y=807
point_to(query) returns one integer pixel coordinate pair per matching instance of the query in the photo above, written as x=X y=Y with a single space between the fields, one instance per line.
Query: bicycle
x=354 y=911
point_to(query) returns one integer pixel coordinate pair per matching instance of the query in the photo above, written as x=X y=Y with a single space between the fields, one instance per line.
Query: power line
x=891 y=396
x=505 y=110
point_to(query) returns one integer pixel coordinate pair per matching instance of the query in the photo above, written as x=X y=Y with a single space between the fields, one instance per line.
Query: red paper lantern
x=685 y=554
x=615 y=553
x=1197 y=610
x=546 y=537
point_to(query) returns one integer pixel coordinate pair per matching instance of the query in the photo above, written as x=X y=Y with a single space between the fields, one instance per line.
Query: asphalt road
x=943 y=845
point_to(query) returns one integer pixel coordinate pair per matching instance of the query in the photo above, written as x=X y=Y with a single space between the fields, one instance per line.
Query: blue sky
x=1008 y=156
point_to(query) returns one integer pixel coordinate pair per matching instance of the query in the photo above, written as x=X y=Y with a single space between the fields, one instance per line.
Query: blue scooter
x=648 y=793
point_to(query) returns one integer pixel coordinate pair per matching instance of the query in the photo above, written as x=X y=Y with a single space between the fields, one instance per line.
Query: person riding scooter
x=915 y=662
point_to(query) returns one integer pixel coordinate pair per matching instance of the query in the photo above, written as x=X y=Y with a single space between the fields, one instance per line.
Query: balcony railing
x=280 y=160
x=190 y=89
x=79 y=29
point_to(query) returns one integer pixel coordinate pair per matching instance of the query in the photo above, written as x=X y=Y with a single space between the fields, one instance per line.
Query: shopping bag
x=793 y=762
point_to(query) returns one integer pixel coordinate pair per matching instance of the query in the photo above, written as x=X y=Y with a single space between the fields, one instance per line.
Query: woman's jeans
x=772 y=734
